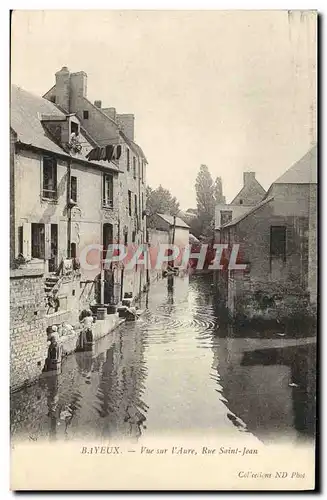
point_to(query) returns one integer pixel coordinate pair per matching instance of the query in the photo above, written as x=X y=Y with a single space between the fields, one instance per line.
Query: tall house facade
x=65 y=199
x=106 y=126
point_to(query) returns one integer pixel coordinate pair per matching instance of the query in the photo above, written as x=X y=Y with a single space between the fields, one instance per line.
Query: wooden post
x=174 y=227
x=102 y=285
x=173 y=238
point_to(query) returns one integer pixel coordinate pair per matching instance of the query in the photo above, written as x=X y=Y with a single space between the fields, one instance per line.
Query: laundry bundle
x=106 y=153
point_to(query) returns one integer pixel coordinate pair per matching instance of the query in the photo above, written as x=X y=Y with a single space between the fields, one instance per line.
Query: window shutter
x=47 y=238
x=103 y=189
x=27 y=240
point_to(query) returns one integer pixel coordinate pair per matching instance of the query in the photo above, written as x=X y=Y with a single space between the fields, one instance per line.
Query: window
x=74 y=128
x=278 y=242
x=133 y=236
x=225 y=216
x=85 y=115
x=73 y=189
x=241 y=202
x=142 y=204
x=125 y=239
x=73 y=253
x=135 y=204
x=49 y=177
x=128 y=159
x=134 y=167
x=142 y=166
x=130 y=202
x=108 y=191
x=53 y=99
x=38 y=241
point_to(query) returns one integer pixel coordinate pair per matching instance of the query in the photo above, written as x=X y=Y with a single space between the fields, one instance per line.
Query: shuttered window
x=128 y=159
x=134 y=167
x=108 y=191
x=225 y=216
x=38 y=241
x=49 y=178
x=129 y=202
x=73 y=189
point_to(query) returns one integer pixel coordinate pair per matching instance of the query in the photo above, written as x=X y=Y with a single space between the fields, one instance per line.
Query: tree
x=160 y=200
x=205 y=198
x=218 y=192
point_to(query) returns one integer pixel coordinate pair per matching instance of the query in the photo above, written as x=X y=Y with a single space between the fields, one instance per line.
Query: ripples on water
x=175 y=370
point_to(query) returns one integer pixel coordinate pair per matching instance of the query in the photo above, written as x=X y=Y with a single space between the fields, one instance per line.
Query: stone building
x=277 y=237
x=106 y=126
x=251 y=193
x=64 y=201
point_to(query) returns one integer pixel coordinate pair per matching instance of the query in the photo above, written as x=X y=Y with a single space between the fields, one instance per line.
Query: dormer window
x=85 y=115
x=74 y=137
x=74 y=127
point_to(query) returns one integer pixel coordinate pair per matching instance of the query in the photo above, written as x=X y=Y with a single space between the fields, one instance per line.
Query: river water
x=176 y=370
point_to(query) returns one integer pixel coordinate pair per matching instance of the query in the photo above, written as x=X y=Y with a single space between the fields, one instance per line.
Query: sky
x=234 y=90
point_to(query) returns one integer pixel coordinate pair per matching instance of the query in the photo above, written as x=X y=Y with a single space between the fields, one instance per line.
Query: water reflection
x=266 y=379
x=97 y=394
x=179 y=368
x=300 y=361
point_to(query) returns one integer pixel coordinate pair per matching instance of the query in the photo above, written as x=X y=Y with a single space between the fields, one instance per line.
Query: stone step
x=52 y=279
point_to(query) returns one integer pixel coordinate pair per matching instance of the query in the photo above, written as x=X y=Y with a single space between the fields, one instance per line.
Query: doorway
x=53 y=261
x=107 y=238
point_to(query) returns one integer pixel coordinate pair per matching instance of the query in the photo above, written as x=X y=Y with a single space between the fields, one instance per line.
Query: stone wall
x=253 y=236
x=28 y=340
x=251 y=193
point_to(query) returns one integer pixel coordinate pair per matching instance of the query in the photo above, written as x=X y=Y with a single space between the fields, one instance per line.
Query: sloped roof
x=170 y=220
x=303 y=171
x=25 y=120
x=251 y=211
x=193 y=239
x=260 y=189
x=27 y=110
x=135 y=147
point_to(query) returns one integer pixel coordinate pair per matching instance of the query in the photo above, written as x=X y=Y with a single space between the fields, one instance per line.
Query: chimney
x=112 y=113
x=63 y=88
x=127 y=124
x=78 y=82
x=248 y=177
x=98 y=104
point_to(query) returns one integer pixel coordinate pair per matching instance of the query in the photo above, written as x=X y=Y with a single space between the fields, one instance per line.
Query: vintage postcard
x=163 y=250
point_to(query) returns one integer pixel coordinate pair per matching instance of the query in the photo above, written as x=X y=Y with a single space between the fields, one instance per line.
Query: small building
x=175 y=228
x=278 y=236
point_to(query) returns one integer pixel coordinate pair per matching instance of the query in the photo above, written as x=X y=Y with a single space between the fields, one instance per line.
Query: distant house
x=165 y=222
x=251 y=193
x=177 y=233
x=277 y=236
x=188 y=216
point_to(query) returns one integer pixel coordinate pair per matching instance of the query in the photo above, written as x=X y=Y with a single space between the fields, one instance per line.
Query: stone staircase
x=52 y=283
